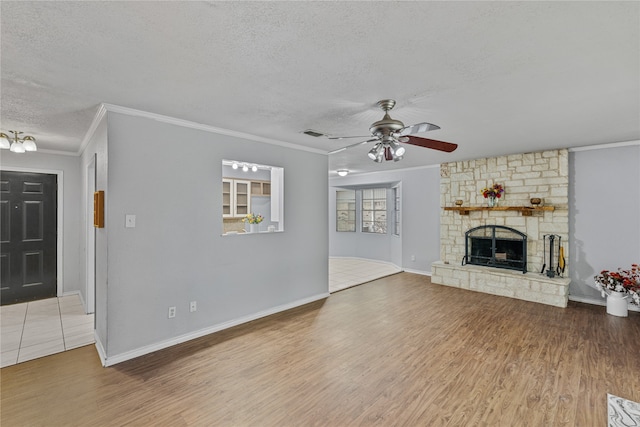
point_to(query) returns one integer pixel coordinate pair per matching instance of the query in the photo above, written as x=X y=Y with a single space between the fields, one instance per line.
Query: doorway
x=28 y=236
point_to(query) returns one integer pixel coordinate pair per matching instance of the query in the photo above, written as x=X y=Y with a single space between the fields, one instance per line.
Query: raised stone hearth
x=542 y=175
x=532 y=287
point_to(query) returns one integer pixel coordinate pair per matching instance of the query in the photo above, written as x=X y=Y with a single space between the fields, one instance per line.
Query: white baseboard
x=598 y=301
x=100 y=348
x=118 y=358
x=424 y=273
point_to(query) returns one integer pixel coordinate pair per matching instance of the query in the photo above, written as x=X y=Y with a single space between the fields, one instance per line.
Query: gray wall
x=604 y=214
x=70 y=167
x=420 y=221
x=169 y=177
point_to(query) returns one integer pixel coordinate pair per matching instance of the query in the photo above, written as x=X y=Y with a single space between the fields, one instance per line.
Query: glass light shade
x=254 y=168
x=29 y=144
x=17 y=147
x=343 y=172
x=372 y=153
x=234 y=165
x=4 y=142
x=245 y=168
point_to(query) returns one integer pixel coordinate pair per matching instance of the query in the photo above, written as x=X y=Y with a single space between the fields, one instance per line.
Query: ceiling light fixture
x=343 y=172
x=387 y=149
x=17 y=144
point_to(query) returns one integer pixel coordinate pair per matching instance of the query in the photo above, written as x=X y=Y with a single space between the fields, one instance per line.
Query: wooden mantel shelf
x=524 y=210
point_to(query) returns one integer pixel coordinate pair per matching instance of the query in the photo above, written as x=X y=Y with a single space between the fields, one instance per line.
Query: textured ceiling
x=497 y=77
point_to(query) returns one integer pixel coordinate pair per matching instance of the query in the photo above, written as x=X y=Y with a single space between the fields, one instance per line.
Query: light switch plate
x=130 y=221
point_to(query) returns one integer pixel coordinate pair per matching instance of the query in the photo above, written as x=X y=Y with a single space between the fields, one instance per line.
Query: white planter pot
x=617 y=304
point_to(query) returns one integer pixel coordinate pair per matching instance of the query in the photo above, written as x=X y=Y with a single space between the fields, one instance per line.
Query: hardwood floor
x=396 y=351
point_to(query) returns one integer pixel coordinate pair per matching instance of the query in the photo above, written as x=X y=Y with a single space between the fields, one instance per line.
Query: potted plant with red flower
x=619 y=286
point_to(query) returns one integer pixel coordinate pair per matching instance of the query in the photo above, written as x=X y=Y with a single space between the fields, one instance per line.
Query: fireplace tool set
x=553 y=256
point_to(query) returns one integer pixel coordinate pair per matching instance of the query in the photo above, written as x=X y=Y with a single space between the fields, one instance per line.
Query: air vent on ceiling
x=312 y=132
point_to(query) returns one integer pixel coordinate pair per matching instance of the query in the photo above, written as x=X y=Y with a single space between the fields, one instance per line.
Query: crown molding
x=198 y=126
x=102 y=110
x=603 y=146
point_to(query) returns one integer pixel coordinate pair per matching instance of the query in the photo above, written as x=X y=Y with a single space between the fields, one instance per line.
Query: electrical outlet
x=172 y=312
x=192 y=306
x=130 y=221
x=413 y=257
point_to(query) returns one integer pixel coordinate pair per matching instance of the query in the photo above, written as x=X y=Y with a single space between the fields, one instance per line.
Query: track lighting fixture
x=235 y=165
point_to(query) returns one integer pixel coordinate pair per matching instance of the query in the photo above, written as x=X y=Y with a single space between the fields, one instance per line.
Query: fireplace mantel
x=524 y=210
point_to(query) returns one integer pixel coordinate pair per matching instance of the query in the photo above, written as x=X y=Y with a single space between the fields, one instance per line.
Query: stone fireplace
x=543 y=175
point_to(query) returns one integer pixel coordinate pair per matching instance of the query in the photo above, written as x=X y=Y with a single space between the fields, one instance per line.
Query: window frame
x=378 y=226
x=351 y=214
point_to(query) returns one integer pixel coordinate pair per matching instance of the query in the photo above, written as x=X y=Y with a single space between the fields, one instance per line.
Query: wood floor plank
x=395 y=351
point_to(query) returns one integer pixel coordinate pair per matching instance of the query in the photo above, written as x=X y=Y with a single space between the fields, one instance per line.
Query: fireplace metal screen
x=496 y=246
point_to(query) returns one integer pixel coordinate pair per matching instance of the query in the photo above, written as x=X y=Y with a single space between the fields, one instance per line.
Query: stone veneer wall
x=543 y=174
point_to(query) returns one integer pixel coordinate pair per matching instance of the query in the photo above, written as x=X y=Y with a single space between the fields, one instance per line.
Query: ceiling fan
x=388 y=133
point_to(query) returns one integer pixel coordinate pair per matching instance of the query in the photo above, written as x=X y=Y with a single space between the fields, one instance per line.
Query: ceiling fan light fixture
x=254 y=168
x=373 y=153
x=234 y=165
x=245 y=168
x=343 y=172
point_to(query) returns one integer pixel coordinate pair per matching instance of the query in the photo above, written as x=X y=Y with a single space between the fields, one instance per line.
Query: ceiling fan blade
x=417 y=128
x=432 y=143
x=352 y=145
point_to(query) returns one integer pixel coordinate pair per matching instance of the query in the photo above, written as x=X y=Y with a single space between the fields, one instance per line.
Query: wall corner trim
x=100 y=349
x=102 y=110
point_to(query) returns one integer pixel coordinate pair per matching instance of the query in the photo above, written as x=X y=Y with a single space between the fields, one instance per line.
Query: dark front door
x=28 y=235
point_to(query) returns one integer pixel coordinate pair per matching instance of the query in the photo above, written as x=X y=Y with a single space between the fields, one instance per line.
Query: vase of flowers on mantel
x=619 y=287
x=492 y=194
x=254 y=221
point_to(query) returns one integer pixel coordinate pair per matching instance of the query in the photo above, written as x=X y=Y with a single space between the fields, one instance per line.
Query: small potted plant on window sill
x=254 y=221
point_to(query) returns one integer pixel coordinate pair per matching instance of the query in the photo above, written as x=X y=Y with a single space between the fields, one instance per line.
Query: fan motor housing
x=386 y=126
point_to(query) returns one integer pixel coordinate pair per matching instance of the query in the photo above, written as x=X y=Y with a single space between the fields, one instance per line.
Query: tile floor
x=347 y=272
x=40 y=328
